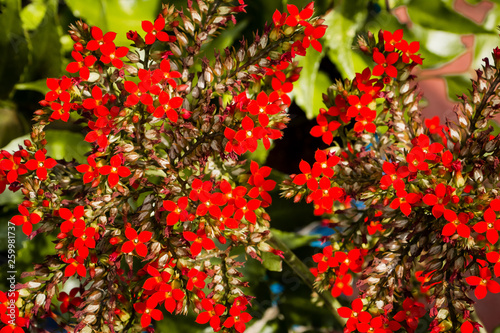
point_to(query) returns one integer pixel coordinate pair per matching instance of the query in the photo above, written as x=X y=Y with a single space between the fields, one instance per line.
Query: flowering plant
x=156 y=219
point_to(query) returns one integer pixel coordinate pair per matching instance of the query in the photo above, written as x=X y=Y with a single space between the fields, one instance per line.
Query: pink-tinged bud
x=136 y=38
x=27 y=143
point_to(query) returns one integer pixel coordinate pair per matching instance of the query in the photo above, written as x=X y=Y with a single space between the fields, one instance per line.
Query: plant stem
x=486 y=97
x=306 y=276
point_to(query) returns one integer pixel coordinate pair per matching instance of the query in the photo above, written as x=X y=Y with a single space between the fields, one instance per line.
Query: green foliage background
x=34 y=45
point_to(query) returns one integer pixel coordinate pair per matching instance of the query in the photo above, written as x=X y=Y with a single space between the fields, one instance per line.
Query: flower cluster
x=155 y=218
x=411 y=201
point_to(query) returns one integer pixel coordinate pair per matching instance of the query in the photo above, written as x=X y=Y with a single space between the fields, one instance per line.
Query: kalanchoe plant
x=414 y=203
x=151 y=222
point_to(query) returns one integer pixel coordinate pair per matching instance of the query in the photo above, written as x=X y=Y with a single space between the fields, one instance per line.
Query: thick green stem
x=306 y=276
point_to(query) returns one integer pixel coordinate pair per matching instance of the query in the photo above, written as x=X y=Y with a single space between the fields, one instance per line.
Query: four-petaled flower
x=136 y=242
x=26 y=219
x=490 y=226
x=40 y=163
x=149 y=311
x=211 y=314
x=385 y=64
x=115 y=170
x=155 y=30
x=483 y=283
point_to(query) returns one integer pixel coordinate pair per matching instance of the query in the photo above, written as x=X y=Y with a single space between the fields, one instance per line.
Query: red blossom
x=342 y=285
x=196 y=279
x=115 y=170
x=394 y=175
x=490 y=226
x=438 y=200
x=199 y=240
x=297 y=17
x=111 y=54
x=69 y=301
x=262 y=107
x=155 y=31
x=177 y=210
x=385 y=64
x=483 y=283
x=40 y=163
x=58 y=90
x=456 y=224
x=357 y=319
x=411 y=313
x=26 y=219
x=148 y=311
x=391 y=39
x=211 y=314
x=136 y=242
x=167 y=106
x=238 y=319
x=75 y=266
x=12 y=165
x=408 y=51
x=260 y=185
x=99 y=40
x=324 y=129
x=494 y=258
x=81 y=65
x=90 y=171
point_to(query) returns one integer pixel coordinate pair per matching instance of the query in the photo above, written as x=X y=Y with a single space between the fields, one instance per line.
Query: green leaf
x=115 y=15
x=33 y=14
x=271 y=262
x=343 y=22
x=46 y=46
x=67 y=145
x=13 y=46
x=311 y=84
x=154 y=172
x=496 y=329
x=39 y=85
x=430 y=14
x=457 y=85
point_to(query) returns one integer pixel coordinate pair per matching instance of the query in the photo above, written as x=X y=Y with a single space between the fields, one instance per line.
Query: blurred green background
x=34 y=45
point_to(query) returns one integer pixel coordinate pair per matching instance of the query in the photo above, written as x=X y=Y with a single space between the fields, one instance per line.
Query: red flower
x=60 y=111
x=260 y=185
x=281 y=90
x=494 y=258
x=483 y=283
x=196 y=279
x=85 y=238
x=324 y=260
x=357 y=104
x=26 y=219
x=306 y=177
x=490 y=226
x=391 y=39
x=111 y=54
x=96 y=103
x=385 y=64
x=90 y=171
x=75 y=266
x=12 y=164
x=199 y=240
x=238 y=319
x=409 y=50
x=157 y=281
x=393 y=176
x=178 y=210
x=115 y=170
x=296 y=17
x=69 y=301
x=136 y=242
x=58 y=90
x=167 y=106
x=81 y=65
x=456 y=224
x=438 y=201
x=41 y=164
x=99 y=39
x=411 y=312
x=212 y=313
x=148 y=311
x=164 y=74
x=262 y=108
x=170 y=296
x=416 y=160
x=356 y=318
x=324 y=129
x=404 y=201
x=154 y=31
x=342 y=285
